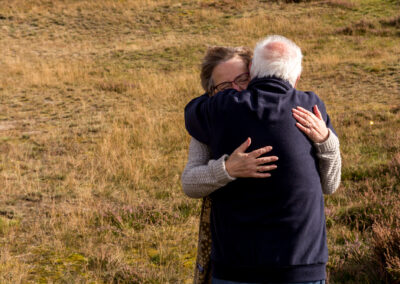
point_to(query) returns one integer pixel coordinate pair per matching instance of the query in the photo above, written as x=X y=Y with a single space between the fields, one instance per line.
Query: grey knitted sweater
x=202 y=175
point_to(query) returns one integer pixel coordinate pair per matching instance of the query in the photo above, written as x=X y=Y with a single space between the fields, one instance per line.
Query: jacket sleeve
x=197 y=121
x=204 y=113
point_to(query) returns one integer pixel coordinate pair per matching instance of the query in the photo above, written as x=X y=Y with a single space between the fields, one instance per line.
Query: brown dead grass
x=92 y=138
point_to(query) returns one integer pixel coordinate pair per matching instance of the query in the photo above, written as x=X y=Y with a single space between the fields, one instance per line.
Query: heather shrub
x=386 y=250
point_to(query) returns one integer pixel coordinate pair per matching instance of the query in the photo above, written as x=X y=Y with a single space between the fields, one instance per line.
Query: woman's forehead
x=228 y=70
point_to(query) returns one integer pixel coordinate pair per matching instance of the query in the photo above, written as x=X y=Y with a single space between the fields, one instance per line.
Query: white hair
x=277 y=56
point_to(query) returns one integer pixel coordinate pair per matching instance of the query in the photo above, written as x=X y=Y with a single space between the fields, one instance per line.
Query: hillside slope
x=92 y=138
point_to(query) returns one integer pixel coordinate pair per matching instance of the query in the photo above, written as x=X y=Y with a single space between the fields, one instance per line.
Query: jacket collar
x=272 y=81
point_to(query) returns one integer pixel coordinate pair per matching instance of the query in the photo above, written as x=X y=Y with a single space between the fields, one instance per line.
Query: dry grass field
x=92 y=137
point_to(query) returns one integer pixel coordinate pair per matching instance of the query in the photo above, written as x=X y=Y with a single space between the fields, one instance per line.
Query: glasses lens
x=243 y=78
x=223 y=86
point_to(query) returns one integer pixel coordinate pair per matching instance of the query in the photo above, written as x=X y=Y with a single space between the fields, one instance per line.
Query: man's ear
x=297 y=80
x=250 y=66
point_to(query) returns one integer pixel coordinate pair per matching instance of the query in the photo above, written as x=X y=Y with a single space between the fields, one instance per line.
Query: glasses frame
x=213 y=89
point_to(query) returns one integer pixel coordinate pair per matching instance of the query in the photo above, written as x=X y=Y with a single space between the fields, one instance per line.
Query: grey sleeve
x=202 y=175
x=330 y=163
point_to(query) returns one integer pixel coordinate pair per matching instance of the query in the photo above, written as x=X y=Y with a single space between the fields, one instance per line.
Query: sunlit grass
x=92 y=138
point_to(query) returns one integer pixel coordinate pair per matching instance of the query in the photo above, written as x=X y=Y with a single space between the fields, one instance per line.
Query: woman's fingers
x=311 y=124
x=316 y=116
x=304 y=114
x=261 y=151
x=306 y=130
x=261 y=169
x=265 y=160
x=317 y=112
x=304 y=121
x=241 y=164
x=303 y=110
x=242 y=148
x=261 y=175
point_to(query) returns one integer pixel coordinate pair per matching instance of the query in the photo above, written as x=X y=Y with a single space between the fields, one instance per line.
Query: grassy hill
x=92 y=137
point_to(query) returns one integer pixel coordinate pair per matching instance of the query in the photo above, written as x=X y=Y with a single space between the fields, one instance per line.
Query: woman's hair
x=219 y=54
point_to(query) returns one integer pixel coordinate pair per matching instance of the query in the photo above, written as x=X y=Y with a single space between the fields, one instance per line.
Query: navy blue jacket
x=271 y=229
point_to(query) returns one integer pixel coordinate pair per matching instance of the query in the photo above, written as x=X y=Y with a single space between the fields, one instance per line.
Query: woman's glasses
x=239 y=80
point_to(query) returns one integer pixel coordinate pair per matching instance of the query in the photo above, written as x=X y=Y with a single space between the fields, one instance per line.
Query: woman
x=224 y=68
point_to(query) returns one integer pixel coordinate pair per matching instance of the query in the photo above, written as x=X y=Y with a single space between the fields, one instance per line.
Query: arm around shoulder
x=330 y=163
x=197 y=121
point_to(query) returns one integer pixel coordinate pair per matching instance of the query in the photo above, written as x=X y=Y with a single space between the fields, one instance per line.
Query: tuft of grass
x=298 y=1
x=346 y=4
x=114 y=87
x=392 y=22
x=383 y=27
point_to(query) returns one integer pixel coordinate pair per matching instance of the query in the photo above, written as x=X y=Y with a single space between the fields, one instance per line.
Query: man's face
x=231 y=74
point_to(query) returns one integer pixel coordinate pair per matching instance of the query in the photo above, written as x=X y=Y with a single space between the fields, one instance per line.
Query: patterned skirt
x=202 y=272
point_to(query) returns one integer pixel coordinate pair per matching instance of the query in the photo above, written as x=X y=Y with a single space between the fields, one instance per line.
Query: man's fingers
x=265 y=160
x=317 y=112
x=242 y=148
x=257 y=153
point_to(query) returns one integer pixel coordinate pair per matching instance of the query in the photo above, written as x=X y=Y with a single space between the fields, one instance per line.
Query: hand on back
x=241 y=164
x=311 y=124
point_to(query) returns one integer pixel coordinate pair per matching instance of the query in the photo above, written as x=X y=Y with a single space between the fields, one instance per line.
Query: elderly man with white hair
x=265 y=230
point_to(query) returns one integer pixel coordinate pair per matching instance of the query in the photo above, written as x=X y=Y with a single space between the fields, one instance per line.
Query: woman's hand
x=241 y=164
x=312 y=125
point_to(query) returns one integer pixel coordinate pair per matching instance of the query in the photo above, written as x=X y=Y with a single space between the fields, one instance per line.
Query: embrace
x=262 y=155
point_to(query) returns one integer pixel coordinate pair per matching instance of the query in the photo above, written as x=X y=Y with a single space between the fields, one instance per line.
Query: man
x=265 y=230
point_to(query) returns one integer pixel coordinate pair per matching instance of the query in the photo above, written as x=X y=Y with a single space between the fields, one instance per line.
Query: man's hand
x=241 y=164
x=312 y=125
